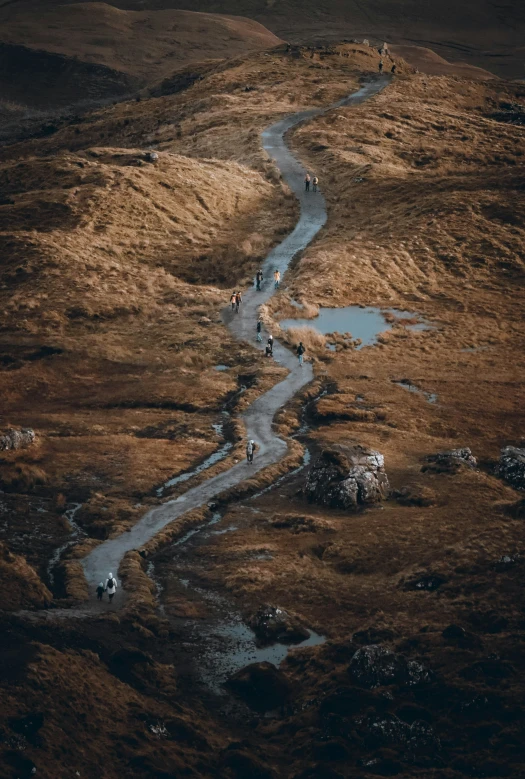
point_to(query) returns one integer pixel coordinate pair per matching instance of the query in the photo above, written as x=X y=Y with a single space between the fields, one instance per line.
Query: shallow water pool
x=364 y=324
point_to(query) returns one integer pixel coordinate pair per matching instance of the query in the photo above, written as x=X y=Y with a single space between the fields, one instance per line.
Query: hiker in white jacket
x=110 y=586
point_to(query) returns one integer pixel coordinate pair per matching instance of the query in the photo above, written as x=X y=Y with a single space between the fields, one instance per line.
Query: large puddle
x=357 y=323
x=430 y=397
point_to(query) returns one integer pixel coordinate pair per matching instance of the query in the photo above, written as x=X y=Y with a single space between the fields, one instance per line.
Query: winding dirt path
x=258 y=418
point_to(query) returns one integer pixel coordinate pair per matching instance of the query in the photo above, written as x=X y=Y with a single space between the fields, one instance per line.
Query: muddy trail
x=258 y=418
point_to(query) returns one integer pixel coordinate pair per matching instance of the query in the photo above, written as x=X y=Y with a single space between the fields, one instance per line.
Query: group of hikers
x=110 y=586
x=236 y=300
x=314 y=182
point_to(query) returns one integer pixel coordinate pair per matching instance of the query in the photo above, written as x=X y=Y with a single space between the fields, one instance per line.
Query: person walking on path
x=380 y=66
x=258 y=279
x=110 y=586
x=233 y=300
x=259 y=328
x=100 y=591
x=300 y=351
x=315 y=183
x=250 y=450
x=268 y=351
x=270 y=344
x=393 y=69
x=307 y=182
x=276 y=278
x=238 y=301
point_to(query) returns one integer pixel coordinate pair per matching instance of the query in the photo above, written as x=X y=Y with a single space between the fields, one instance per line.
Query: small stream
x=213 y=458
x=77 y=533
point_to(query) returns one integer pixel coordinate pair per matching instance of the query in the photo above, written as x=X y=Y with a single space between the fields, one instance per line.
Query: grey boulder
x=511 y=466
x=347 y=477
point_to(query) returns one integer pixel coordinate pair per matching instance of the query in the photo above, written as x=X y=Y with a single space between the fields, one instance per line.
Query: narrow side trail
x=258 y=418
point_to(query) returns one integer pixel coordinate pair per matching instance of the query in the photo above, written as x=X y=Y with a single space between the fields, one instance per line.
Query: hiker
x=238 y=301
x=307 y=182
x=393 y=68
x=270 y=344
x=315 y=183
x=233 y=300
x=259 y=328
x=268 y=351
x=300 y=351
x=100 y=591
x=258 y=279
x=110 y=586
x=380 y=66
x=250 y=449
x=276 y=278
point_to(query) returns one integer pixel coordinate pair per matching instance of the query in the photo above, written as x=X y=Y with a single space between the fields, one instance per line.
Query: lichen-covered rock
x=451 y=461
x=511 y=466
x=17 y=439
x=272 y=624
x=375 y=666
x=347 y=477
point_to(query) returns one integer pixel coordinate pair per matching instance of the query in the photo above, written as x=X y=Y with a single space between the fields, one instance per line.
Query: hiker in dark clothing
x=300 y=351
x=307 y=182
x=393 y=68
x=238 y=301
x=259 y=328
x=100 y=591
x=268 y=350
x=258 y=279
x=380 y=66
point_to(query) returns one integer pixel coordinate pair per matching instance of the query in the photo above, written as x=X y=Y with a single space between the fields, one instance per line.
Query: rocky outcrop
x=271 y=624
x=511 y=466
x=17 y=439
x=20 y=585
x=347 y=477
x=375 y=666
x=451 y=461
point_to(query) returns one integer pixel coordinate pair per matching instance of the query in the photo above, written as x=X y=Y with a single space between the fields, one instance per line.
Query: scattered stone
x=511 y=466
x=427 y=582
x=17 y=439
x=347 y=477
x=151 y=156
x=375 y=666
x=271 y=624
x=450 y=462
x=261 y=685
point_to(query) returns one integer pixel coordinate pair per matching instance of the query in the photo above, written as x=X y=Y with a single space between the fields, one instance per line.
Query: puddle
x=234 y=646
x=364 y=324
x=222 y=367
x=430 y=397
x=76 y=533
x=215 y=457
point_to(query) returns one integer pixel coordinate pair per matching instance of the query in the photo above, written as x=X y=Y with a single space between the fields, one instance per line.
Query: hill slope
x=143 y=44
